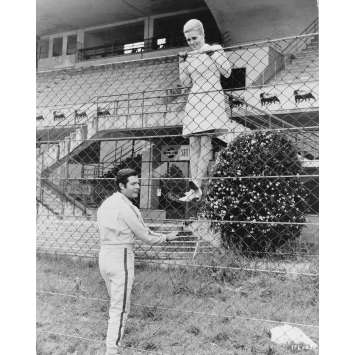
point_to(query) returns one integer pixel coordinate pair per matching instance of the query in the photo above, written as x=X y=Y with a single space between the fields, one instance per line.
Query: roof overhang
x=67 y=15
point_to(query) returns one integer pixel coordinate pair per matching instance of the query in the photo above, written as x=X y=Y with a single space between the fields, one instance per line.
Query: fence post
x=133 y=143
x=143 y=105
x=128 y=103
x=115 y=108
x=66 y=182
x=40 y=179
x=167 y=98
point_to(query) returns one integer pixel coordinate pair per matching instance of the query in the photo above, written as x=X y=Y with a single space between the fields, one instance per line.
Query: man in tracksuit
x=119 y=222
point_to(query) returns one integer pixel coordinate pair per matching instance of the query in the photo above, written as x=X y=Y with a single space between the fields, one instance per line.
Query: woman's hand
x=210 y=50
x=182 y=56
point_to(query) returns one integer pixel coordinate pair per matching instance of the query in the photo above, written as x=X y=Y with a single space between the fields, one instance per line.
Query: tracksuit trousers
x=116 y=265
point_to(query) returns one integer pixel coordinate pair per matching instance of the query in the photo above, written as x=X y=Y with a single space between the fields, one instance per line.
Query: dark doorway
x=235 y=81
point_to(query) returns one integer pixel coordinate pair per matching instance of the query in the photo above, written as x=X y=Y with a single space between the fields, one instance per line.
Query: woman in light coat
x=205 y=112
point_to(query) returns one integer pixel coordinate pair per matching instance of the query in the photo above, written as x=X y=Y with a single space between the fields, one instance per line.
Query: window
x=43 y=48
x=71 y=44
x=57 y=46
x=236 y=79
x=161 y=43
x=133 y=47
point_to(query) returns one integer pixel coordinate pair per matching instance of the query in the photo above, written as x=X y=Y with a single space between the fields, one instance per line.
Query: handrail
x=113 y=152
x=71 y=118
x=135 y=92
x=283 y=124
x=144 y=45
x=123 y=154
x=118 y=48
x=72 y=200
x=311 y=29
x=47 y=206
x=271 y=124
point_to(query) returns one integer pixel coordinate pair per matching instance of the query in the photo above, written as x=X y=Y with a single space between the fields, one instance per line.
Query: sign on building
x=175 y=152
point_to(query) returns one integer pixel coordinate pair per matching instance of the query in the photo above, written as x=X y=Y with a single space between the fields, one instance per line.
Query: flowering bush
x=255 y=197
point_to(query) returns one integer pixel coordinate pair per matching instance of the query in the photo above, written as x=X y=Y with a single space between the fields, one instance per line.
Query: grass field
x=179 y=310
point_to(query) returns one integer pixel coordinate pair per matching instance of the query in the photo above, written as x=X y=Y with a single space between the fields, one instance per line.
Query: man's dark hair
x=123 y=175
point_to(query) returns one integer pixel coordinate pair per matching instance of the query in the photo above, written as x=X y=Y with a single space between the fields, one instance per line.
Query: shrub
x=259 y=199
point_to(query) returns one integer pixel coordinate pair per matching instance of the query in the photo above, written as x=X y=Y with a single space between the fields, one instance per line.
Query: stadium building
x=109 y=96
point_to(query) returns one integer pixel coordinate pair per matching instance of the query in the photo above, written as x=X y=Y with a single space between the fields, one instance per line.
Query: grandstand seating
x=302 y=65
x=65 y=91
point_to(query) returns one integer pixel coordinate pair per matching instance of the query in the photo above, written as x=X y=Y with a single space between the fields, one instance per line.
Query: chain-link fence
x=225 y=143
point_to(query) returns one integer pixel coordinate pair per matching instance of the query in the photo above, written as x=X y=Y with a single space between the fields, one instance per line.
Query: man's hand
x=172 y=236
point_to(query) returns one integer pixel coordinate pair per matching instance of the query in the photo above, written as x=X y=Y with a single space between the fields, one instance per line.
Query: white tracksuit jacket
x=119 y=223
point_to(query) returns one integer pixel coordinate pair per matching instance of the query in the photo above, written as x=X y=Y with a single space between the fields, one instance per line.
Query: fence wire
x=225 y=144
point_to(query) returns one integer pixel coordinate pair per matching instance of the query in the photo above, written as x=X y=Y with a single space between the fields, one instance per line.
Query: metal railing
x=298 y=43
x=123 y=48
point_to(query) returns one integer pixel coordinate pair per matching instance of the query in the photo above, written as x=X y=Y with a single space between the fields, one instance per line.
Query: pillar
x=80 y=39
x=149 y=186
x=50 y=47
x=64 y=45
x=148 y=31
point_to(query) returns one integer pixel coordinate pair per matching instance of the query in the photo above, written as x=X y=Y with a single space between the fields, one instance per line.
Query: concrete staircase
x=52 y=197
x=48 y=203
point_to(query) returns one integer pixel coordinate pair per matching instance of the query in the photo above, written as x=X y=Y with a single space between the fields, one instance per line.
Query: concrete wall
x=255 y=60
x=62 y=61
x=57 y=62
x=92 y=40
x=250 y=20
